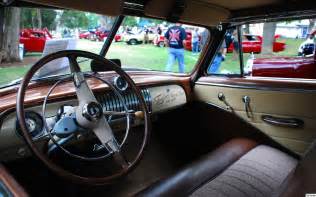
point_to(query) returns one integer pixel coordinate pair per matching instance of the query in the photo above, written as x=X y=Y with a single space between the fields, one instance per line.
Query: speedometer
x=34 y=124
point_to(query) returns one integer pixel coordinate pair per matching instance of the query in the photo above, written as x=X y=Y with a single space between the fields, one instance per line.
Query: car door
x=37 y=42
x=251 y=43
x=282 y=108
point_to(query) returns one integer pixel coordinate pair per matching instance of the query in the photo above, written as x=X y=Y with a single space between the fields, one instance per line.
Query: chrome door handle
x=246 y=100
x=222 y=98
x=283 y=122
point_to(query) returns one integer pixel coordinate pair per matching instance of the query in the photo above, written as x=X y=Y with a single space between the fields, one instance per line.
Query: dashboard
x=158 y=98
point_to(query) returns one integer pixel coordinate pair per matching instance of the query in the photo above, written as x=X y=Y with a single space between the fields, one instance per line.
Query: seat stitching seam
x=252 y=177
x=233 y=187
x=241 y=180
x=265 y=165
x=216 y=189
x=271 y=162
x=261 y=171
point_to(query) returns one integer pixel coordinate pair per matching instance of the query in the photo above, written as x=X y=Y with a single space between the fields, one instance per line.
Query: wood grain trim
x=277 y=84
x=11 y=184
x=36 y=92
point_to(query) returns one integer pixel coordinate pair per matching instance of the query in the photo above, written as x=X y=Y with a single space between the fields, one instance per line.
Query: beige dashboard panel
x=280 y=104
x=167 y=97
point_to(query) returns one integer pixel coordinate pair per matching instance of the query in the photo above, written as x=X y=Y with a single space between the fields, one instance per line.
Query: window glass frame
x=240 y=56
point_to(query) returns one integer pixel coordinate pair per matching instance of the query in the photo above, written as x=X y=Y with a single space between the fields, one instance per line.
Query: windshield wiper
x=41 y=79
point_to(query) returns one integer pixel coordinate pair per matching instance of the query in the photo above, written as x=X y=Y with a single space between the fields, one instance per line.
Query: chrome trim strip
x=292 y=90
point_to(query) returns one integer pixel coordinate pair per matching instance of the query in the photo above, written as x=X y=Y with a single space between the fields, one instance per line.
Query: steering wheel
x=89 y=115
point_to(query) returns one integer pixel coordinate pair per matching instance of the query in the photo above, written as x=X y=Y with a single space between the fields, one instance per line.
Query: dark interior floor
x=178 y=137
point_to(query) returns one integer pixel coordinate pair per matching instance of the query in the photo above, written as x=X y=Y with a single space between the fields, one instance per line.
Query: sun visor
x=104 y=7
x=196 y=12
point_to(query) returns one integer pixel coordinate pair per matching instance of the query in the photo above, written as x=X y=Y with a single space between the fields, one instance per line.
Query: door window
x=283 y=49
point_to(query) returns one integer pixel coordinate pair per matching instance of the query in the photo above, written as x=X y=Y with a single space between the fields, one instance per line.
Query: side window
x=285 y=49
x=226 y=60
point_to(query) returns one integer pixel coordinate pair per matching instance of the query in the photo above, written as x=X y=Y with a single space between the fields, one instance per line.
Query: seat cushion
x=258 y=173
x=184 y=182
x=238 y=168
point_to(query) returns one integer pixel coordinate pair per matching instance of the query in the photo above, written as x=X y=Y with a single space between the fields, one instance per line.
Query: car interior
x=117 y=132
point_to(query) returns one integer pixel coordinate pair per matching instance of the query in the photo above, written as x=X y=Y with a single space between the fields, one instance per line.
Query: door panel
x=286 y=103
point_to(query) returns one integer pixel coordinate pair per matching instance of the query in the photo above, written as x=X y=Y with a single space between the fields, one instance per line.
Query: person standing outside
x=195 y=41
x=204 y=37
x=174 y=37
x=146 y=36
x=159 y=31
x=218 y=59
x=236 y=45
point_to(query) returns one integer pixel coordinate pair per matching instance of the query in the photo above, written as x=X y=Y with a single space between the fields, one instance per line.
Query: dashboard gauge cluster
x=120 y=83
x=34 y=123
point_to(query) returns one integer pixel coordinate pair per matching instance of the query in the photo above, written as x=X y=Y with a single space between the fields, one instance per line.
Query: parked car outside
x=285 y=67
x=84 y=34
x=34 y=39
x=159 y=40
x=282 y=67
x=138 y=38
x=187 y=43
x=253 y=44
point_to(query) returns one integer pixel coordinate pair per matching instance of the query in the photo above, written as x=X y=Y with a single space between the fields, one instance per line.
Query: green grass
x=140 y=56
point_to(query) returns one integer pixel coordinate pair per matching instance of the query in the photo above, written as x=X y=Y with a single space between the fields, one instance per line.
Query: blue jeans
x=195 y=47
x=213 y=68
x=173 y=55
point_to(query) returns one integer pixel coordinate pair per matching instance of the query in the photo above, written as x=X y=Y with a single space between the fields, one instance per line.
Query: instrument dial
x=120 y=83
x=34 y=124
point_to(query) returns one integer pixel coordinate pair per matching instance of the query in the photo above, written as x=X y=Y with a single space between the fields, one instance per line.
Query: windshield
x=28 y=34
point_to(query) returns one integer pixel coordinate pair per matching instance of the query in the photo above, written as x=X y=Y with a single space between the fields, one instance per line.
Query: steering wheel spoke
x=105 y=135
x=121 y=160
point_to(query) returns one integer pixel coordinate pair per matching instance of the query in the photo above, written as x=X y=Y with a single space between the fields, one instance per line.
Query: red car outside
x=84 y=35
x=159 y=40
x=187 y=43
x=34 y=39
x=101 y=36
x=98 y=35
x=285 y=67
x=253 y=43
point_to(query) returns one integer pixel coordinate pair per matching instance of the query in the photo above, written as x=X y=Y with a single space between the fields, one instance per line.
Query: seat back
x=303 y=179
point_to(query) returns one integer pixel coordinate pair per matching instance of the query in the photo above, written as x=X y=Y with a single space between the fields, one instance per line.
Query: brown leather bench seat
x=240 y=167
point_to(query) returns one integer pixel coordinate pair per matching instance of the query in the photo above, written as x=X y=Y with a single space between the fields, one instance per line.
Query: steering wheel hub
x=92 y=111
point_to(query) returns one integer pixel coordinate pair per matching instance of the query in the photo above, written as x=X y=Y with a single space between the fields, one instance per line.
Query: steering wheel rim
x=42 y=156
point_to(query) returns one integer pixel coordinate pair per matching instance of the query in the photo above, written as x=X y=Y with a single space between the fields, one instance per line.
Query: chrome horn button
x=92 y=111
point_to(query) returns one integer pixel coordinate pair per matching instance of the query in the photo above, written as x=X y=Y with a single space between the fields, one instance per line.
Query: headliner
x=202 y=12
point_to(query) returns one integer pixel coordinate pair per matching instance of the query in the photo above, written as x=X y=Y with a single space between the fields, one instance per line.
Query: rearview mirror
x=97 y=67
